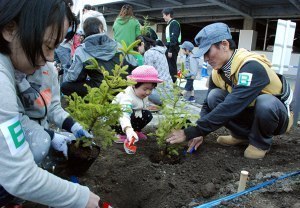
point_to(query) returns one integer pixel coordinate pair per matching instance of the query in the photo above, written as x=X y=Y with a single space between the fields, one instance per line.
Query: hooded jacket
x=92 y=13
x=156 y=57
x=126 y=29
x=192 y=65
x=19 y=173
x=98 y=46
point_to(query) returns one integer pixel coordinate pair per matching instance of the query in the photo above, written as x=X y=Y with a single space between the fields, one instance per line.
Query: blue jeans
x=258 y=124
x=189 y=86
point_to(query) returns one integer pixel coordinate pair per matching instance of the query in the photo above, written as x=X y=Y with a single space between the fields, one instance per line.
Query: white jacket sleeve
x=126 y=104
x=19 y=174
x=148 y=58
x=194 y=66
x=56 y=113
x=38 y=139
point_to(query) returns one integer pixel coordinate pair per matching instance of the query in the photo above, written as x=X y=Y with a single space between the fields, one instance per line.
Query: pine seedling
x=95 y=111
x=145 y=29
x=175 y=116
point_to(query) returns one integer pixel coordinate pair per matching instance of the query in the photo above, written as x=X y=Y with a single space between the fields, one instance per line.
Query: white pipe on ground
x=243 y=181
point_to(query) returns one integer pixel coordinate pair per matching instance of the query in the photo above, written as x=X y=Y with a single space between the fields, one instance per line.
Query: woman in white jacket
x=88 y=12
x=27 y=43
x=154 y=55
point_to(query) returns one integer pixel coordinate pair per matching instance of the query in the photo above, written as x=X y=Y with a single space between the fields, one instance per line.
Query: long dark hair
x=32 y=25
x=148 y=42
x=126 y=12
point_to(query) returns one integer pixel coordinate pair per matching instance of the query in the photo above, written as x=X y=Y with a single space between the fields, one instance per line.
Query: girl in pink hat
x=133 y=100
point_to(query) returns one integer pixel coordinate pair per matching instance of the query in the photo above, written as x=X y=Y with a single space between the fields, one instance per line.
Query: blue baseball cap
x=187 y=45
x=210 y=35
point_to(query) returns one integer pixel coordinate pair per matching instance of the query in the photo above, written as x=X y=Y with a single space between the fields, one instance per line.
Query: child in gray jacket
x=192 y=65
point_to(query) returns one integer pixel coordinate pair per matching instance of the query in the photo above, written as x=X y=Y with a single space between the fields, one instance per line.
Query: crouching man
x=245 y=95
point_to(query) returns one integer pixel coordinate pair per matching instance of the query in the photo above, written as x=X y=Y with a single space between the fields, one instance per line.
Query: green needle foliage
x=95 y=111
x=145 y=29
x=175 y=117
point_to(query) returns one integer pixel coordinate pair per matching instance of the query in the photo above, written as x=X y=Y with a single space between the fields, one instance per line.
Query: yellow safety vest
x=168 y=38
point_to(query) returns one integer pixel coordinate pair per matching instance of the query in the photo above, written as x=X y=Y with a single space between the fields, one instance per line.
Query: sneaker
x=121 y=139
x=254 y=153
x=230 y=141
x=191 y=99
x=141 y=135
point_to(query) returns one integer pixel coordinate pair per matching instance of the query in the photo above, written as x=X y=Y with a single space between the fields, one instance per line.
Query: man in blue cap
x=245 y=95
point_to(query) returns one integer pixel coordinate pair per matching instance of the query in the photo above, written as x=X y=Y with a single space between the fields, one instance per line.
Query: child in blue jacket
x=192 y=65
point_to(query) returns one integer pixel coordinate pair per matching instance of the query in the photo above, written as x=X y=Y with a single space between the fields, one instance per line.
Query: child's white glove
x=131 y=133
x=59 y=143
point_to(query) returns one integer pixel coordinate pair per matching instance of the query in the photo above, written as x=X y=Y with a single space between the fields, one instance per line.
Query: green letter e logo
x=13 y=133
x=17 y=134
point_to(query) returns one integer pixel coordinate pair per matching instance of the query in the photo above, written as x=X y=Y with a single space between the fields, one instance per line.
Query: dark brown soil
x=133 y=181
x=80 y=158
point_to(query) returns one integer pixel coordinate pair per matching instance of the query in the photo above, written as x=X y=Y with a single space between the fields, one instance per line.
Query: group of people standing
x=128 y=29
x=245 y=95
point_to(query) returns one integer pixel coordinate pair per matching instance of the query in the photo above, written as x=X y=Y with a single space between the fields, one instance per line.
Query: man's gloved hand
x=131 y=133
x=59 y=143
x=78 y=131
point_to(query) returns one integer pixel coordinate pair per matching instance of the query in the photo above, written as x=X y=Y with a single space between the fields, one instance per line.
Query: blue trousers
x=258 y=124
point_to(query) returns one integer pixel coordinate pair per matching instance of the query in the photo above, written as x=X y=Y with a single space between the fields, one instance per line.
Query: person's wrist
x=76 y=127
x=127 y=128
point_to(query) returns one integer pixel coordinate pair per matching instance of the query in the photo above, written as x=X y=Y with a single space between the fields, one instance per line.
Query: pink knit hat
x=145 y=73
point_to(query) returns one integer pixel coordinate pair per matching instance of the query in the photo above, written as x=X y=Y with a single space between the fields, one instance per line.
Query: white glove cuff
x=127 y=128
x=76 y=126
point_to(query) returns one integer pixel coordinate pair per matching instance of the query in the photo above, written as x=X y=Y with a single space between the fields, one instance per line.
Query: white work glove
x=59 y=143
x=78 y=131
x=131 y=133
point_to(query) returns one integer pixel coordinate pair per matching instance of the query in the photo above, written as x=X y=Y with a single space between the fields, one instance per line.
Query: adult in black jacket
x=173 y=39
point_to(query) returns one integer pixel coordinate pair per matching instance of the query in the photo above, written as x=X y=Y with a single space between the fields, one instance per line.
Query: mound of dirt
x=133 y=181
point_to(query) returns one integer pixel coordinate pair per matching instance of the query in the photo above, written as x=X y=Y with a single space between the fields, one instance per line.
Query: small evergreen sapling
x=145 y=29
x=95 y=111
x=175 y=117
